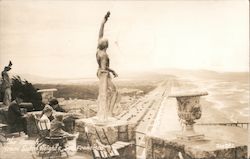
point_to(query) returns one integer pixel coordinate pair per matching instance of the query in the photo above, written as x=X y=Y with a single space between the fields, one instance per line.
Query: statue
x=6 y=85
x=107 y=90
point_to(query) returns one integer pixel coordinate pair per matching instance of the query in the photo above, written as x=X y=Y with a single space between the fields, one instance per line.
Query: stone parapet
x=170 y=147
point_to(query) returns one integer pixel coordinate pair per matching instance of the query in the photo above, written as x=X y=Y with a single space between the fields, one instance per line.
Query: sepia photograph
x=124 y=79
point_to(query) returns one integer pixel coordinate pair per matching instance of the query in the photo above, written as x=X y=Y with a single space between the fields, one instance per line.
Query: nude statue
x=6 y=85
x=107 y=90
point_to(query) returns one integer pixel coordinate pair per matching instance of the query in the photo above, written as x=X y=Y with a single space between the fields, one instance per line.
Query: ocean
x=228 y=93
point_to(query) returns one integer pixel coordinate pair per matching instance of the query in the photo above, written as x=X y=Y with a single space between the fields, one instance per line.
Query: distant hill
x=207 y=74
x=87 y=88
x=144 y=76
x=48 y=80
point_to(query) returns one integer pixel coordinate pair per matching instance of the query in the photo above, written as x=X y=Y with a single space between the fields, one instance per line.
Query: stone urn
x=189 y=110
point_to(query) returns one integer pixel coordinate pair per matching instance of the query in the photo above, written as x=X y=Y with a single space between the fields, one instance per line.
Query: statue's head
x=103 y=44
x=7 y=68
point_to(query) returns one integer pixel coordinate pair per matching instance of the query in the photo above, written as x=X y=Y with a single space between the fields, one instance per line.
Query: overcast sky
x=59 y=38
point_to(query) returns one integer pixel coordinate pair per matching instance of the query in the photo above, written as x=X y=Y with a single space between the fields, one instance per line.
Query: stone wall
x=159 y=148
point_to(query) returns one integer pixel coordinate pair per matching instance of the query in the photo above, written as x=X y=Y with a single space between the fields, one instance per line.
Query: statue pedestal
x=115 y=130
x=190 y=136
x=111 y=132
x=96 y=121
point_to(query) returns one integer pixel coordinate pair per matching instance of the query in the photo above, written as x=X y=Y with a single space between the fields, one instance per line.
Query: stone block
x=127 y=152
x=117 y=130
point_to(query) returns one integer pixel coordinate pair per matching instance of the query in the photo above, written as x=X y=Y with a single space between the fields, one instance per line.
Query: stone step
x=107 y=153
x=120 y=144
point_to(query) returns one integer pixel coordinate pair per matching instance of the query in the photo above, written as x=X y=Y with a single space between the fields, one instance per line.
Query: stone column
x=189 y=109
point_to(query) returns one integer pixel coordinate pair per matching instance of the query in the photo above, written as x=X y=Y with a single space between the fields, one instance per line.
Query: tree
x=29 y=91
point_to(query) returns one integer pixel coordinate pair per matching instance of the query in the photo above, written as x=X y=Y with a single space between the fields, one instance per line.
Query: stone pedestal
x=115 y=131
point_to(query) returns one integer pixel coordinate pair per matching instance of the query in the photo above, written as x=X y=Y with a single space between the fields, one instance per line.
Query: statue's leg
x=7 y=96
x=102 y=98
x=113 y=96
x=5 y=102
x=117 y=106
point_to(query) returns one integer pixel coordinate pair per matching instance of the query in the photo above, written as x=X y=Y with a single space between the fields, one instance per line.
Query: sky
x=58 y=38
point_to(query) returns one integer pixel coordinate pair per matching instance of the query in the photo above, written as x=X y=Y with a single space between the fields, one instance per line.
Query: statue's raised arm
x=102 y=25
